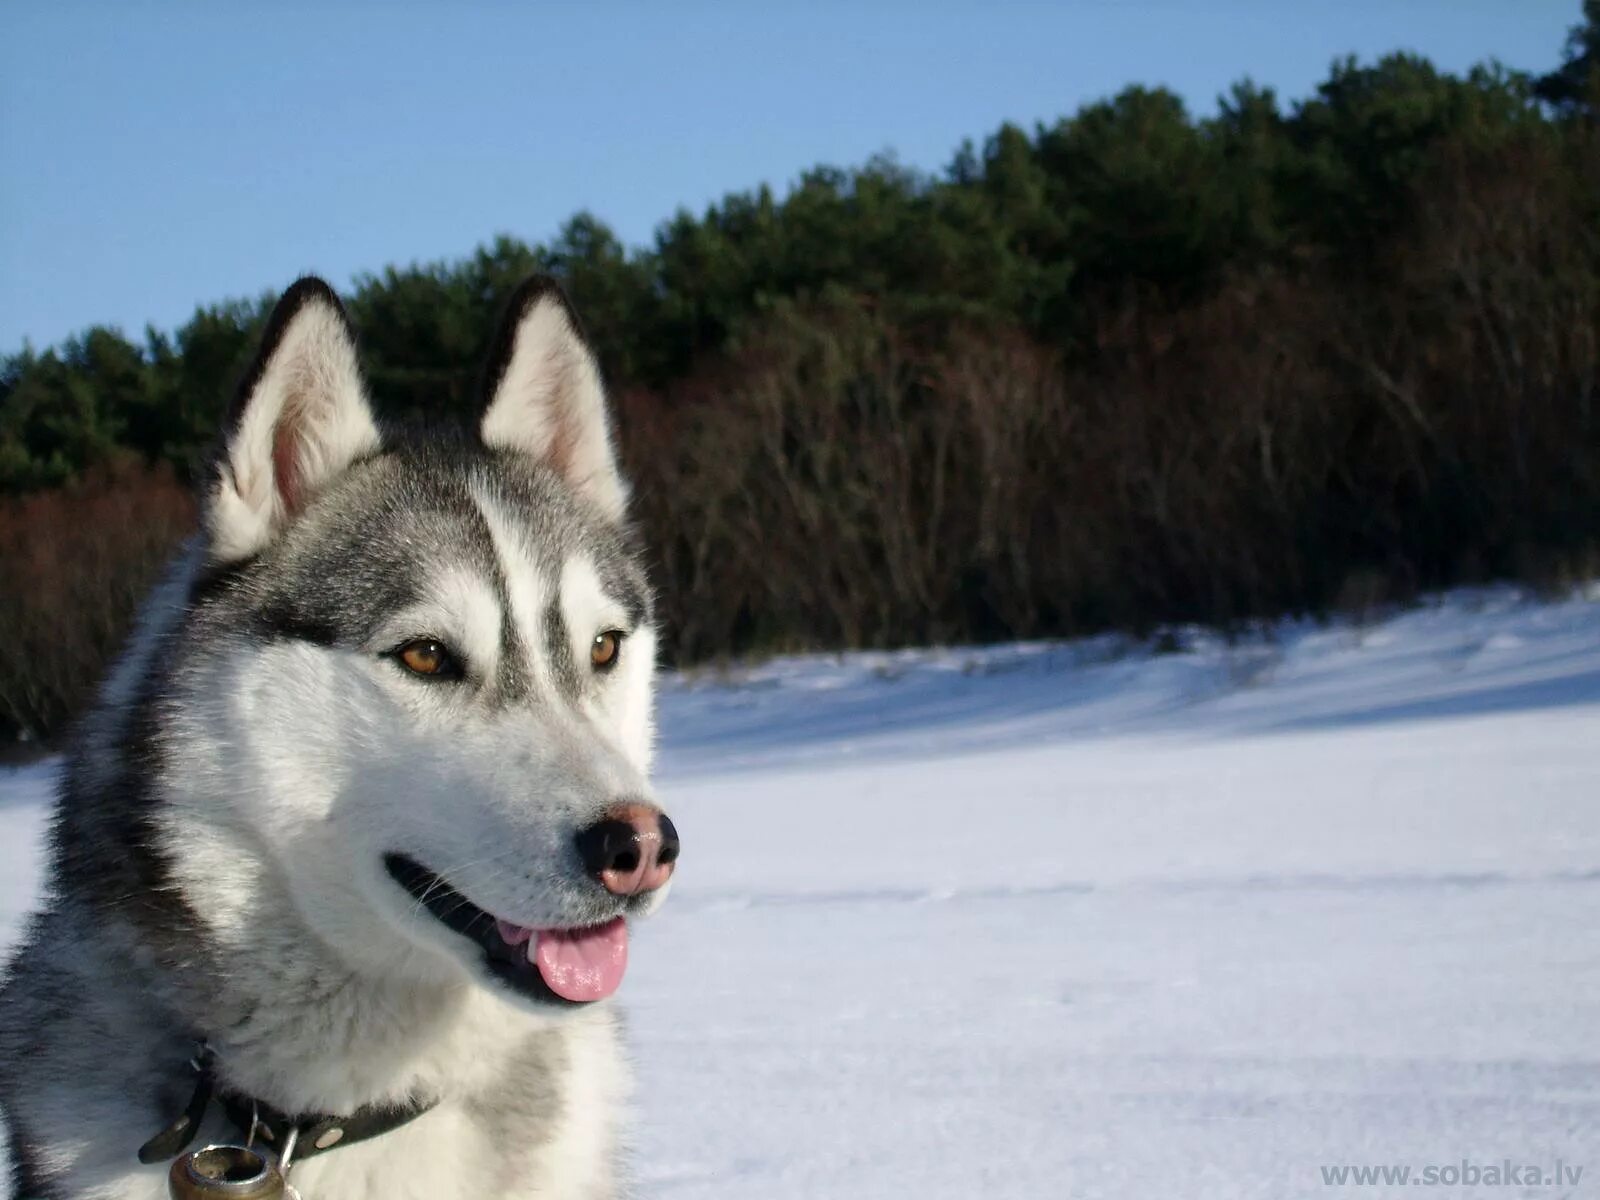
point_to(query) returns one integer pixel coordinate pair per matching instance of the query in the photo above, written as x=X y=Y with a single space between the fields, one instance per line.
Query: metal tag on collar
x=226 y=1171
x=240 y=1172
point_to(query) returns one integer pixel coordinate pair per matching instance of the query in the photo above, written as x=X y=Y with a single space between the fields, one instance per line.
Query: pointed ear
x=301 y=417
x=544 y=397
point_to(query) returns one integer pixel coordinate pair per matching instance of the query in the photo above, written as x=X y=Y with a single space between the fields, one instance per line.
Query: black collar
x=318 y=1132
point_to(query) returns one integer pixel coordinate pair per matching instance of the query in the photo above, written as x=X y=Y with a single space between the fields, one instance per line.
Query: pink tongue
x=583 y=964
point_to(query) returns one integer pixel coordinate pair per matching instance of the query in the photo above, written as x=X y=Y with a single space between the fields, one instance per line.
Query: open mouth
x=554 y=966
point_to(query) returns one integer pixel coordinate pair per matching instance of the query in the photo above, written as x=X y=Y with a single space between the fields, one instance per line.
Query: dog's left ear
x=299 y=420
x=544 y=397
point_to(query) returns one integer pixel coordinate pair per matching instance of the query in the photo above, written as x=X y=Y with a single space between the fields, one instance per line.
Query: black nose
x=669 y=842
x=631 y=849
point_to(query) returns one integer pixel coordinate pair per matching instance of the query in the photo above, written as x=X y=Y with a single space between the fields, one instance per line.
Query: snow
x=1081 y=919
x=24 y=809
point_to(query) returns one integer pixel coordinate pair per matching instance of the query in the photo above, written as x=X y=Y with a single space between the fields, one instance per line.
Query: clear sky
x=155 y=155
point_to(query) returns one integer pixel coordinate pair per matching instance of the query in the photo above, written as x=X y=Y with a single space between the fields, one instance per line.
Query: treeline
x=1125 y=369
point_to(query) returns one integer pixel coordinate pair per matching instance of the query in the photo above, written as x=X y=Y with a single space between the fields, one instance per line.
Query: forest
x=1132 y=368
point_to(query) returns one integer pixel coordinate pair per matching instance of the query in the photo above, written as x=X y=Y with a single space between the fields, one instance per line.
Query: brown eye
x=425 y=656
x=604 y=650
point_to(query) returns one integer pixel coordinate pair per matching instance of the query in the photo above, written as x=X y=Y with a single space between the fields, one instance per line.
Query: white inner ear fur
x=550 y=404
x=306 y=420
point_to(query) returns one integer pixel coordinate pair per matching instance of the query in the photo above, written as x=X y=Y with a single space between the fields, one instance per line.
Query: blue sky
x=156 y=155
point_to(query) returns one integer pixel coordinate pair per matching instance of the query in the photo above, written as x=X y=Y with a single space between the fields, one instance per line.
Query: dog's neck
x=288 y=1020
x=292 y=1023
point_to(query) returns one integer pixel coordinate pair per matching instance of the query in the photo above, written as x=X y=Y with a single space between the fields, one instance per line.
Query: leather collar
x=318 y=1132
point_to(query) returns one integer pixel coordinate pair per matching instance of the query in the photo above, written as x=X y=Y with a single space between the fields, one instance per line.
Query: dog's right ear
x=543 y=397
x=301 y=417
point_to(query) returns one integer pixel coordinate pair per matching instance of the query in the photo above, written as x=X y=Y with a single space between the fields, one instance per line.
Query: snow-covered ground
x=1079 y=920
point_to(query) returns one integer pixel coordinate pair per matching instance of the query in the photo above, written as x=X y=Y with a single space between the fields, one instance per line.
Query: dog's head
x=418 y=701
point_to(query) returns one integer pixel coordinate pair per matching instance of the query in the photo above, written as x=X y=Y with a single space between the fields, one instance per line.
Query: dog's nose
x=631 y=849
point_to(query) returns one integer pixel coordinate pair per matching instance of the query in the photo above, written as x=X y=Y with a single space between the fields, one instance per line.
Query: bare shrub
x=1015 y=436
x=844 y=482
x=74 y=563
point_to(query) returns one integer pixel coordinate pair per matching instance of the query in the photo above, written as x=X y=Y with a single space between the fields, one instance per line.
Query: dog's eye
x=430 y=657
x=604 y=649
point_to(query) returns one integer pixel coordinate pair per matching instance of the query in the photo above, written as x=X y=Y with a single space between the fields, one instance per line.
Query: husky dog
x=349 y=848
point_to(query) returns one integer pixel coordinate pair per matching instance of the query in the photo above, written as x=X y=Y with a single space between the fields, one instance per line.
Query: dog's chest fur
x=543 y=1126
x=527 y=1110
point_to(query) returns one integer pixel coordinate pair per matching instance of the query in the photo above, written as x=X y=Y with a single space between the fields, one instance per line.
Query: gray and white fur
x=220 y=839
